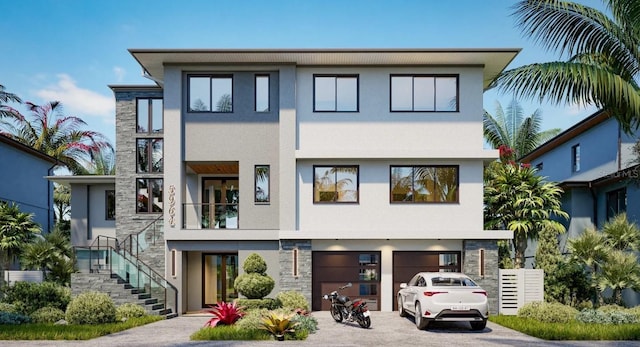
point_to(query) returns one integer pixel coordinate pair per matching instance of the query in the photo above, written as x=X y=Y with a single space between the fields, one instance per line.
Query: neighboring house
x=335 y=165
x=594 y=164
x=23 y=182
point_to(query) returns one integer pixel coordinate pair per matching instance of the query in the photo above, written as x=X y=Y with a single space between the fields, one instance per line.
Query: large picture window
x=335 y=184
x=424 y=184
x=213 y=93
x=149 y=195
x=150 y=155
x=149 y=115
x=335 y=93
x=424 y=93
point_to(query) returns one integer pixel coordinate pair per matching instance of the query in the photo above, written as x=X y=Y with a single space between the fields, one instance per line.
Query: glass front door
x=219 y=271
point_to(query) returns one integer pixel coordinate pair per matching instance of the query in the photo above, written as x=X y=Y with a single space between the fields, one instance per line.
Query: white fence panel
x=518 y=287
x=11 y=277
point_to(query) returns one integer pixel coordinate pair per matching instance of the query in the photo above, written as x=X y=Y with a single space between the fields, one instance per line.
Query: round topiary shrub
x=130 y=310
x=254 y=283
x=91 y=308
x=548 y=312
x=47 y=315
x=293 y=300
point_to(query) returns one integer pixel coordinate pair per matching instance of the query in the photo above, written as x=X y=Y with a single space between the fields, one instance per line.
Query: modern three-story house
x=335 y=165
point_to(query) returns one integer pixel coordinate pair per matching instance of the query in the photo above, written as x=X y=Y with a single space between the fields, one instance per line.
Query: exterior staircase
x=116 y=268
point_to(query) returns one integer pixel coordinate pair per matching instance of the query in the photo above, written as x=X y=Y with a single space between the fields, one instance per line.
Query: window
x=149 y=195
x=539 y=166
x=335 y=184
x=262 y=183
x=424 y=93
x=616 y=202
x=262 y=93
x=110 y=204
x=211 y=93
x=575 y=158
x=150 y=155
x=335 y=93
x=149 y=115
x=424 y=184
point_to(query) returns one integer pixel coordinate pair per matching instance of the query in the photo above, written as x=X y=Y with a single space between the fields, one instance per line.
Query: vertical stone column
x=471 y=267
x=301 y=282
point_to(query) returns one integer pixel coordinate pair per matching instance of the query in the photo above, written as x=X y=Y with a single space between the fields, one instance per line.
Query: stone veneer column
x=471 y=267
x=302 y=282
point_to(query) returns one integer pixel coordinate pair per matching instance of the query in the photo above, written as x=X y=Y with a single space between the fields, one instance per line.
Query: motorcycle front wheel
x=364 y=322
x=335 y=313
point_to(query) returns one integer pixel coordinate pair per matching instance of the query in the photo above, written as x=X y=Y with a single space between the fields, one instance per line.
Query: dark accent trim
x=413 y=167
x=210 y=76
x=335 y=99
x=255 y=92
x=435 y=92
x=357 y=167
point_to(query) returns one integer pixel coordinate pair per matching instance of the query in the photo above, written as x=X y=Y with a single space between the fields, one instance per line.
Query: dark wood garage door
x=407 y=263
x=334 y=269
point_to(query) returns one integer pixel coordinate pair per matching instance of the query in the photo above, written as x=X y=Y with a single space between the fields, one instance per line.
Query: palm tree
x=603 y=65
x=517 y=199
x=621 y=234
x=6 y=111
x=52 y=255
x=620 y=271
x=509 y=127
x=61 y=201
x=57 y=135
x=17 y=229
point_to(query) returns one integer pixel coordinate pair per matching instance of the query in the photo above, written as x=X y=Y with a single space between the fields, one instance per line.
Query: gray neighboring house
x=335 y=165
x=23 y=182
x=593 y=162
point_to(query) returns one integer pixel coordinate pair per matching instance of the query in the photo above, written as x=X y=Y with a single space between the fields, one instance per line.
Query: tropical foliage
x=60 y=136
x=17 y=229
x=6 y=111
x=224 y=313
x=53 y=255
x=254 y=283
x=517 y=199
x=509 y=127
x=602 y=65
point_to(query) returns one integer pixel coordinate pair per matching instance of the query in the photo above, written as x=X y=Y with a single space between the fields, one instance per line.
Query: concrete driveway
x=387 y=329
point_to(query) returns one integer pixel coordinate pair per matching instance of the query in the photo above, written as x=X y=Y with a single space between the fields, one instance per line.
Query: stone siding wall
x=471 y=267
x=302 y=282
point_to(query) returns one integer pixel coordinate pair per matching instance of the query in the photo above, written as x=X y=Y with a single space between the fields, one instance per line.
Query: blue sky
x=70 y=50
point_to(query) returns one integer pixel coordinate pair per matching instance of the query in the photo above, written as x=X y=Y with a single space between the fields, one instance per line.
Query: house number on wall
x=172 y=205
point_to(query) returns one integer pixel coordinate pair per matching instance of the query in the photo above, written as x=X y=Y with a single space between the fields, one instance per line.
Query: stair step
x=156 y=307
x=144 y=296
x=171 y=315
x=128 y=286
x=164 y=312
x=137 y=290
x=150 y=301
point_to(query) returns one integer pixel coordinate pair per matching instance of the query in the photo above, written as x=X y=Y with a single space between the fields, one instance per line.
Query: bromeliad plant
x=279 y=324
x=225 y=313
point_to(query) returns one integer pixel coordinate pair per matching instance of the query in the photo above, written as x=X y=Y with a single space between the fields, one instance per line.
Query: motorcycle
x=343 y=308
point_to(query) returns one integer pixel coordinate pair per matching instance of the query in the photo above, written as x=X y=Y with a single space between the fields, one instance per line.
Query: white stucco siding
x=375 y=217
x=374 y=127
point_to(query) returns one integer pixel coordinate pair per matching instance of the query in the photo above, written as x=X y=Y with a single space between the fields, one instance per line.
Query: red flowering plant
x=224 y=313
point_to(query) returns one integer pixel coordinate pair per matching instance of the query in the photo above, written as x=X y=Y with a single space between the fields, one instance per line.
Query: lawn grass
x=230 y=332
x=70 y=332
x=569 y=331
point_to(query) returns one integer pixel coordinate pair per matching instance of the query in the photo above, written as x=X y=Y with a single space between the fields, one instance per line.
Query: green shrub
x=307 y=323
x=253 y=304
x=230 y=333
x=129 y=310
x=254 y=283
x=28 y=297
x=293 y=300
x=91 y=308
x=548 y=312
x=608 y=316
x=9 y=308
x=47 y=315
x=13 y=318
x=610 y=308
x=252 y=319
x=635 y=311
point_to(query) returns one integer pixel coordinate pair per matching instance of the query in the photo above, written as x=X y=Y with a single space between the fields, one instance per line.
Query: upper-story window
x=262 y=93
x=335 y=93
x=110 y=204
x=424 y=184
x=150 y=155
x=149 y=195
x=424 y=93
x=211 y=93
x=575 y=158
x=335 y=184
x=149 y=115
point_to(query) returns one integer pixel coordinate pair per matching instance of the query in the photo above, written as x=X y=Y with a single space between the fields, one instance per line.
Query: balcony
x=210 y=216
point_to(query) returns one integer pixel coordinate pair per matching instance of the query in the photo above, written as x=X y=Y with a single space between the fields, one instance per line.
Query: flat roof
x=494 y=60
x=67 y=180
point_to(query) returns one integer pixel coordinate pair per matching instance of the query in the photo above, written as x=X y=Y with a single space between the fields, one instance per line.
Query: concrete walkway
x=387 y=329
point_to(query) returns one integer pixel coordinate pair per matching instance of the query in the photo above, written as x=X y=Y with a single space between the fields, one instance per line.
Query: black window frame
x=575 y=158
x=110 y=204
x=268 y=179
x=149 y=149
x=211 y=76
x=255 y=92
x=412 y=201
x=337 y=76
x=620 y=195
x=335 y=201
x=435 y=76
x=150 y=115
x=149 y=203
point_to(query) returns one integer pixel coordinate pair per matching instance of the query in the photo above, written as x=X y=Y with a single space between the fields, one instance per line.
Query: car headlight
x=326 y=297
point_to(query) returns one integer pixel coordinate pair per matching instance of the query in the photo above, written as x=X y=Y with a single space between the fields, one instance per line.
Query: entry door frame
x=223 y=270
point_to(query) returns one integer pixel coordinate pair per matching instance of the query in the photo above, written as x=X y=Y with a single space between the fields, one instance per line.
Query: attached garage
x=334 y=269
x=407 y=263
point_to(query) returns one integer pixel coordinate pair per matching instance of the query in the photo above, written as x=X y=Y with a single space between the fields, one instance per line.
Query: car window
x=468 y=282
x=446 y=281
x=421 y=282
x=413 y=281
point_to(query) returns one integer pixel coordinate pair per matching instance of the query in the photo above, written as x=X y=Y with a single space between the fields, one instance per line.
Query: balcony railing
x=210 y=216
